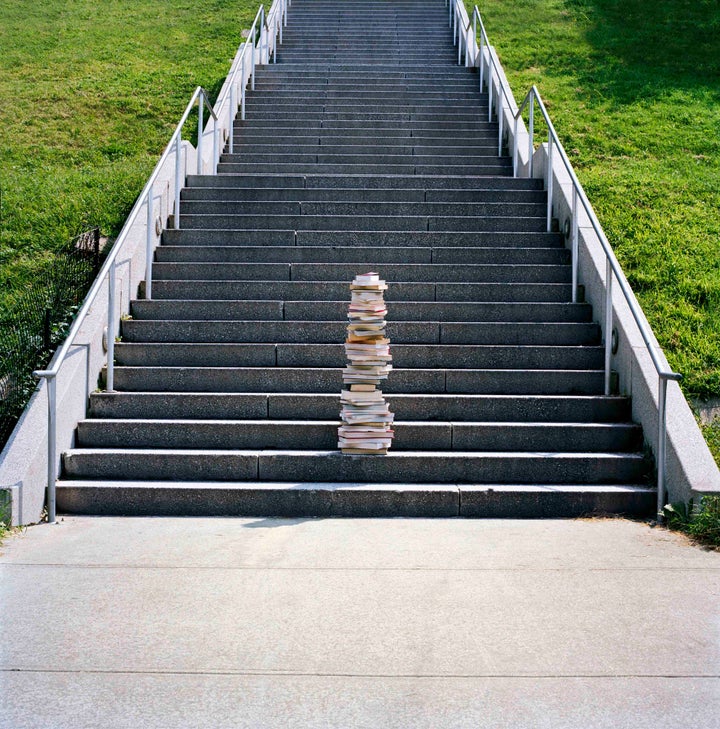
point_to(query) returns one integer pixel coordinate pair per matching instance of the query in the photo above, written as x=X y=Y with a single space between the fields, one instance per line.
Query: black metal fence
x=33 y=328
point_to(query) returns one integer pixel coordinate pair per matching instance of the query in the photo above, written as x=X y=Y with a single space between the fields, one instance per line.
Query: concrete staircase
x=365 y=148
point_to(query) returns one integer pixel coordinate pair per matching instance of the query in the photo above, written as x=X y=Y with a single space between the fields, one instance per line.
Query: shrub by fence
x=36 y=324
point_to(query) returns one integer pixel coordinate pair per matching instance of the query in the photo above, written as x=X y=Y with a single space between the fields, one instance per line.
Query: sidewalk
x=184 y=623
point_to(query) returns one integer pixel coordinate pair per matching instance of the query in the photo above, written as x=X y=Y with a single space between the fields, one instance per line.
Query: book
x=365 y=415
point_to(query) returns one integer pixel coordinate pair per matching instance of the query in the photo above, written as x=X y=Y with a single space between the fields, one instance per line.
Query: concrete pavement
x=178 y=623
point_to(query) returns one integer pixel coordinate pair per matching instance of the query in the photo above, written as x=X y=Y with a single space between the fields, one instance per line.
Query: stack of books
x=366 y=418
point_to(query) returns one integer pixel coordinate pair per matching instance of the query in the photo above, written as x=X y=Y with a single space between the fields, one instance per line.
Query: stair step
x=325 y=405
x=347 y=238
x=327 y=133
x=325 y=169
x=341 y=208
x=396 y=466
x=322 y=434
x=457 y=356
x=379 y=223
x=246 y=379
x=381 y=181
x=309 y=150
x=409 y=332
x=394 y=273
x=334 y=290
x=302 y=499
x=356 y=195
x=319 y=311
x=369 y=257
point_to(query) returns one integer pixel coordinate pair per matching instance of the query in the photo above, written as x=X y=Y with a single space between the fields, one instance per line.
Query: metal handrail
x=613 y=270
x=145 y=198
x=504 y=98
x=507 y=95
x=230 y=89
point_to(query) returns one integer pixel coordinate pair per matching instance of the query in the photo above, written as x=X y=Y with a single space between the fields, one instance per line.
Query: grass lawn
x=633 y=89
x=91 y=94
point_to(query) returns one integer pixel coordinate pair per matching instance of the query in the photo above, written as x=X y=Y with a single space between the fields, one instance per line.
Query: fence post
x=46 y=329
x=96 y=250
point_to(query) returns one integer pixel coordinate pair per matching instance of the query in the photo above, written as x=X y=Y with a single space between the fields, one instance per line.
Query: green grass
x=91 y=94
x=4 y=514
x=633 y=89
x=701 y=523
x=712 y=436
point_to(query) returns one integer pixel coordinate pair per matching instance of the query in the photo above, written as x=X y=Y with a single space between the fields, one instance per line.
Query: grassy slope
x=634 y=91
x=96 y=90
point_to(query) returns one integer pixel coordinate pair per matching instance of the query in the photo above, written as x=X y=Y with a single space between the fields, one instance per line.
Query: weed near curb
x=701 y=523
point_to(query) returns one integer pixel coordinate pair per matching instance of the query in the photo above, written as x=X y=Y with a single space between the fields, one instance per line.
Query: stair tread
x=340 y=485
x=392 y=455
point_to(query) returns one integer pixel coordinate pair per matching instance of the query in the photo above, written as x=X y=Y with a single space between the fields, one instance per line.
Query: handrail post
x=178 y=163
x=549 y=181
x=110 y=336
x=231 y=116
x=482 y=61
x=201 y=110
x=260 y=39
x=515 y=147
x=608 y=322
x=275 y=37
x=455 y=22
x=252 y=59
x=575 y=242
x=474 y=27
x=662 y=444
x=490 y=93
x=216 y=145
x=501 y=119
x=459 y=45
x=52 y=448
x=265 y=48
x=242 y=88
x=149 y=240
x=531 y=133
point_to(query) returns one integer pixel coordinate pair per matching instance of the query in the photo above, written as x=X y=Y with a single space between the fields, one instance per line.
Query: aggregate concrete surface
x=219 y=622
